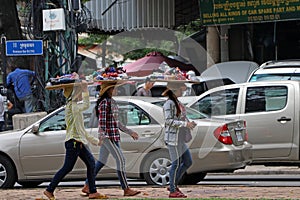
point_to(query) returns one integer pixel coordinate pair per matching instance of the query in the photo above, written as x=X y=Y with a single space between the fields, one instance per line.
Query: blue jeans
x=181 y=160
x=28 y=103
x=73 y=151
x=112 y=147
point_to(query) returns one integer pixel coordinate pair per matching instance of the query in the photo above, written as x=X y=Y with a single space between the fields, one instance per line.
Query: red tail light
x=246 y=132
x=223 y=135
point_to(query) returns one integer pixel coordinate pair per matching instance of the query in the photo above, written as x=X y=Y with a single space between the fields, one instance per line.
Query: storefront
x=257 y=30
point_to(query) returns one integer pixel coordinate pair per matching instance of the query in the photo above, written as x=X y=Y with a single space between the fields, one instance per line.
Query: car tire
x=30 y=184
x=192 y=179
x=8 y=173
x=156 y=168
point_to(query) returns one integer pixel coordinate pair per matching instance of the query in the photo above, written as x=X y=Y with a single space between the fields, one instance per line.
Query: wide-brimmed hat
x=173 y=86
x=68 y=91
x=105 y=85
x=73 y=91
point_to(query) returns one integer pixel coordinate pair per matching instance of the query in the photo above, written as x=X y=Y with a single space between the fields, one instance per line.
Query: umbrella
x=151 y=62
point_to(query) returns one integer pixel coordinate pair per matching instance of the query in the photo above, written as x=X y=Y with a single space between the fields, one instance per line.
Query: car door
x=43 y=153
x=148 y=129
x=137 y=119
x=269 y=113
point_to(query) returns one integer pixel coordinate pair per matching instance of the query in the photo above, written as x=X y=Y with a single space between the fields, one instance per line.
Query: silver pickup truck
x=271 y=110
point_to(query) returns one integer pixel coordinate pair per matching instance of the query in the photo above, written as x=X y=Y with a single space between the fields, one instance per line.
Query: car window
x=275 y=77
x=190 y=113
x=209 y=84
x=54 y=123
x=218 y=103
x=266 y=98
x=131 y=115
x=194 y=114
x=89 y=116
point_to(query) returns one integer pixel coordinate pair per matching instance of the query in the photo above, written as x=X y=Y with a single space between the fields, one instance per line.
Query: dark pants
x=2 y=126
x=74 y=150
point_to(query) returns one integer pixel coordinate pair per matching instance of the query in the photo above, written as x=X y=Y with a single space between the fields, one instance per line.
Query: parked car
x=271 y=110
x=33 y=155
x=277 y=70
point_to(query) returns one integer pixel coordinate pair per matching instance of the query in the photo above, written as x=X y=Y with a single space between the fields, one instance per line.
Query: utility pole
x=60 y=40
x=4 y=63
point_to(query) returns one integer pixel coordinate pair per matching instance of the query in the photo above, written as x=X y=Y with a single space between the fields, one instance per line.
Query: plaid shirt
x=109 y=123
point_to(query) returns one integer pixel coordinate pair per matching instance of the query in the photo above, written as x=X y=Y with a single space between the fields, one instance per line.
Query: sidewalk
x=195 y=191
x=154 y=192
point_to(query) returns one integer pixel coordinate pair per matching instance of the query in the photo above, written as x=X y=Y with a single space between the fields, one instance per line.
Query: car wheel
x=8 y=175
x=192 y=179
x=156 y=168
x=29 y=184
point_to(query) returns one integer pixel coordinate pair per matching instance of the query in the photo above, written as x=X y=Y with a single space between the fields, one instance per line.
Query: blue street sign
x=24 y=47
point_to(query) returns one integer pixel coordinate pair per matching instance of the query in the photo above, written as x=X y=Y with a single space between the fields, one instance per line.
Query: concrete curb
x=263 y=170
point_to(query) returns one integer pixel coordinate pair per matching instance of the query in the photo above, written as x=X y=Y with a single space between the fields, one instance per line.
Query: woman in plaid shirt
x=109 y=135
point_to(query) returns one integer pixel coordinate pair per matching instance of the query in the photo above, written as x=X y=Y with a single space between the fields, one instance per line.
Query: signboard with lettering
x=240 y=11
x=24 y=47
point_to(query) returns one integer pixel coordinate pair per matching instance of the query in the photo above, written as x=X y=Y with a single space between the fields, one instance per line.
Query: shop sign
x=240 y=11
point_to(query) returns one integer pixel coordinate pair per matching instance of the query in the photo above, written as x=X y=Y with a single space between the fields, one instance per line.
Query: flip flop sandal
x=83 y=194
x=100 y=196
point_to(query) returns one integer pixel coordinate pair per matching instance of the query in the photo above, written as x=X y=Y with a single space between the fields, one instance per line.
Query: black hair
x=173 y=97
x=105 y=95
x=148 y=80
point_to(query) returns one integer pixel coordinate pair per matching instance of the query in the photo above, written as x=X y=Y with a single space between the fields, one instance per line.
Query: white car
x=33 y=155
x=277 y=70
x=271 y=111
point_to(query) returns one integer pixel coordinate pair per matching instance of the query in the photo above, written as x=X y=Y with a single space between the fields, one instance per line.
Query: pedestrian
x=108 y=128
x=2 y=112
x=146 y=89
x=14 y=106
x=21 y=80
x=175 y=118
x=76 y=141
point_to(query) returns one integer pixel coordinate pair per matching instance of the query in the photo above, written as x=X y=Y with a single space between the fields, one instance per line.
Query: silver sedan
x=33 y=155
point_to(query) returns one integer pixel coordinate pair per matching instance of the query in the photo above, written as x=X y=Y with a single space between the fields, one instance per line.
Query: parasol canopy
x=152 y=61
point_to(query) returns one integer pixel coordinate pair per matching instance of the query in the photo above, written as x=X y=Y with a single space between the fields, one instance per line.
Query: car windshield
x=190 y=112
x=275 y=77
x=194 y=114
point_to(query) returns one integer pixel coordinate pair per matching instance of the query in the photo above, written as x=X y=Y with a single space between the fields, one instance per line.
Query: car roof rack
x=292 y=63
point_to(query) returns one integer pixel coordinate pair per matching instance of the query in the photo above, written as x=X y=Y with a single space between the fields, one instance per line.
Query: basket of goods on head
x=110 y=74
x=172 y=75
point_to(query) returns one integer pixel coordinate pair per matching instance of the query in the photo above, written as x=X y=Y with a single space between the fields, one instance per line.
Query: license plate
x=239 y=136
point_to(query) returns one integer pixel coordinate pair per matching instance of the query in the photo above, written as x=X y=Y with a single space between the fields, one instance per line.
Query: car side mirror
x=35 y=128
